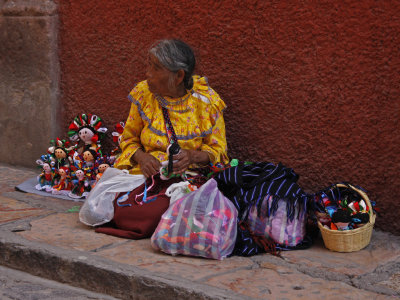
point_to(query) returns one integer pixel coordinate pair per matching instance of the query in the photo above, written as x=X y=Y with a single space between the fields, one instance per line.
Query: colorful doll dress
x=81 y=189
x=45 y=181
x=63 y=187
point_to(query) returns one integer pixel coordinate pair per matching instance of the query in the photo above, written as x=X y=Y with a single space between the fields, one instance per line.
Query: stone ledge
x=20 y=8
x=81 y=269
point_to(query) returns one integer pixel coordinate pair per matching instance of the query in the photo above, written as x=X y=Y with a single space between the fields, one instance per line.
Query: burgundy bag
x=137 y=213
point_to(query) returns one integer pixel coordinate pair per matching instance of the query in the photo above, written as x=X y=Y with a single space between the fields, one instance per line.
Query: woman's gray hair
x=176 y=55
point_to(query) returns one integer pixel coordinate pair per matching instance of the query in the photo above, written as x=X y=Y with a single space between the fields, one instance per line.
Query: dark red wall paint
x=312 y=84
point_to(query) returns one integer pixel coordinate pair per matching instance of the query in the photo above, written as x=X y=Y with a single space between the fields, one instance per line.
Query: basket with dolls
x=345 y=217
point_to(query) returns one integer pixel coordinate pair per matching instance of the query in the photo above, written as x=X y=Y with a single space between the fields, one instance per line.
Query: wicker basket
x=349 y=240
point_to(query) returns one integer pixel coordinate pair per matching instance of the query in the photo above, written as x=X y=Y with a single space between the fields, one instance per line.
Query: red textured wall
x=313 y=85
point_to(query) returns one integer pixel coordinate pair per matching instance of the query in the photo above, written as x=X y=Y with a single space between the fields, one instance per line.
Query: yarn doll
x=102 y=164
x=117 y=134
x=60 y=150
x=341 y=208
x=64 y=184
x=119 y=129
x=81 y=185
x=89 y=158
x=86 y=130
x=359 y=212
x=341 y=219
x=89 y=163
x=86 y=162
x=46 y=179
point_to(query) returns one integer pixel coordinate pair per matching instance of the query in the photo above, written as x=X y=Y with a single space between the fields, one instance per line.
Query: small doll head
x=341 y=218
x=89 y=155
x=45 y=163
x=63 y=171
x=86 y=128
x=103 y=163
x=60 y=149
x=80 y=174
x=87 y=134
x=60 y=153
x=103 y=167
x=46 y=168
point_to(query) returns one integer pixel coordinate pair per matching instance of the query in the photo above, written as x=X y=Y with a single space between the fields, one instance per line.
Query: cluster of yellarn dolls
x=345 y=211
x=73 y=167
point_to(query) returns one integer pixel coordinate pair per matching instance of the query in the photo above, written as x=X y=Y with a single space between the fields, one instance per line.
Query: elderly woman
x=192 y=107
x=171 y=106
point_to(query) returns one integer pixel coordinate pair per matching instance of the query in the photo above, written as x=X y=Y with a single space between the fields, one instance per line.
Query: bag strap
x=173 y=141
x=168 y=126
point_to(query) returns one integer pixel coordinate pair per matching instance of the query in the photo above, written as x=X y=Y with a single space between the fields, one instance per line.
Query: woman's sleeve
x=215 y=143
x=130 y=139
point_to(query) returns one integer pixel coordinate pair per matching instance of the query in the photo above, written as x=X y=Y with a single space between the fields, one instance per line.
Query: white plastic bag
x=99 y=208
x=177 y=190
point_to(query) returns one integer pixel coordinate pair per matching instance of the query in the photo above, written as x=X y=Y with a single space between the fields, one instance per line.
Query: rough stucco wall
x=29 y=78
x=313 y=85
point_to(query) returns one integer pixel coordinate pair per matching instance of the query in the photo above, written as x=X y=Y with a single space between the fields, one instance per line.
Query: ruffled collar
x=180 y=104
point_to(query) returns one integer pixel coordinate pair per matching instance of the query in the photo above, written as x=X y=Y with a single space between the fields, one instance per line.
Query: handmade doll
x=87 y=132
x=64 y=184
x=102 y=164
x=89 y=164
x=89 y=158
x=117 y=134
x=359 y=212
x=341 y=220
x=86 y=162
x=60 y=150
x=341 y=209
x=46 y=179
x=81 y=185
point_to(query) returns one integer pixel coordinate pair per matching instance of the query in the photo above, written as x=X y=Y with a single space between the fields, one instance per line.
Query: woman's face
x=158 y=77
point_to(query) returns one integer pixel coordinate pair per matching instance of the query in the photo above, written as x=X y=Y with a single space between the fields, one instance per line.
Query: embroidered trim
x=161 y=133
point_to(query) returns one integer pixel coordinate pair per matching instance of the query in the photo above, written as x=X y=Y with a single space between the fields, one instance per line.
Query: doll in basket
x=342 y=208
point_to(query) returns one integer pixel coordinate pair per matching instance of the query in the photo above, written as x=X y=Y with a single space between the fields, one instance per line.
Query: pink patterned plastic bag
x=202 y=223
x=277 y=226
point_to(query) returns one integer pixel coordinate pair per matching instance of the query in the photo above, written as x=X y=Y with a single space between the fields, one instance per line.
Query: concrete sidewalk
x=43 y=236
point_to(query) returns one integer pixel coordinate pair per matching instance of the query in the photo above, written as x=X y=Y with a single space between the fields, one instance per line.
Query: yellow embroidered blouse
x=198 y=123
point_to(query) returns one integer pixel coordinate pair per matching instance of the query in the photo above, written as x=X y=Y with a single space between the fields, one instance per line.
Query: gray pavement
x=41 y=236
x=20 y=285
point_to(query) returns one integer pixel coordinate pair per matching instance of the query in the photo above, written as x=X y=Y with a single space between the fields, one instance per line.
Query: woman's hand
x=187 y=157
x=149 y=165
x=182 y=161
